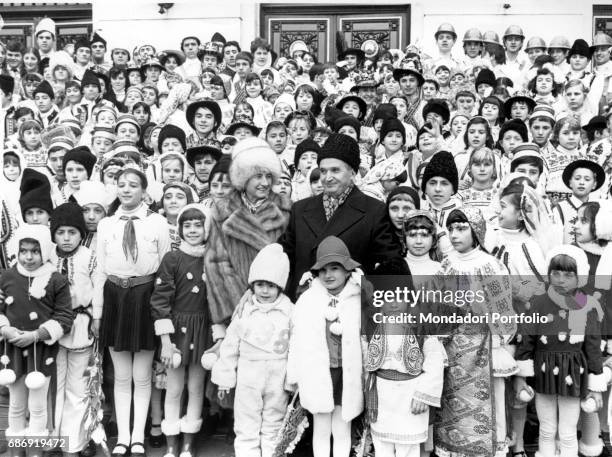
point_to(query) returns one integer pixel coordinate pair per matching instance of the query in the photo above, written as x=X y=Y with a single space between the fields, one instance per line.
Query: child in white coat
x=325 y=355
x=253 y=355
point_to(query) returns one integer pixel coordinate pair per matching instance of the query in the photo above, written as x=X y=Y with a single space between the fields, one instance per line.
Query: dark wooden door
x=371 y=28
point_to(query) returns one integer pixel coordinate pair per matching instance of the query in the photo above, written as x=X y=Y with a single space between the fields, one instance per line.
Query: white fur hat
x=603 y=221
x=250 y=156
x=93 y=192
x=40 y=233
x=45 y=25
x=575 y=253
x=271 y=264
x=61 y=59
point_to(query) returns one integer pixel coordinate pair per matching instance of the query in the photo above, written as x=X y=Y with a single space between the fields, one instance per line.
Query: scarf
x=194 y=251
x=39 y=278
x=331 y=204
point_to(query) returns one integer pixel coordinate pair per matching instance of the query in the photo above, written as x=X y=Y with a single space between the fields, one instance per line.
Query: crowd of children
x=149 y=206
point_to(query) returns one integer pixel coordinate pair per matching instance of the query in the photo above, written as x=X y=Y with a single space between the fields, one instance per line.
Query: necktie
x=129 y=238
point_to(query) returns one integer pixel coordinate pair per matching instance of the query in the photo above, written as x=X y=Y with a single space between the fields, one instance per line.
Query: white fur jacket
x=308 y=364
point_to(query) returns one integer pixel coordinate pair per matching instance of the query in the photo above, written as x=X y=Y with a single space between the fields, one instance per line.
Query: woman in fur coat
x=241 y=225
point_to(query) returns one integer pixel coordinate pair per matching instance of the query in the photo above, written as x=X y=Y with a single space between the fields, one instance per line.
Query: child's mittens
x=589 y=405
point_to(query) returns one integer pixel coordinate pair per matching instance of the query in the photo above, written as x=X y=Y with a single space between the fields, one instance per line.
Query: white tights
x=131 y=367
x=558 y=415
x=174 y=391
x=331 y=424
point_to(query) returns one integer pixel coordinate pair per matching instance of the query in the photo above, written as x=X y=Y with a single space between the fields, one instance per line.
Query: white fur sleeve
x=54 y=329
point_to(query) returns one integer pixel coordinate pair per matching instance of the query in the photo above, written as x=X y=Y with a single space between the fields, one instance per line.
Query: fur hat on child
x=92 y=192
x=68 y=214
x=333 y=250
x=271 y=264
x=248 y=157
x=44 y=88
x=35 y=192
x=579 y=256
x=81 y=155
x=307 y=145
x=341 y=147
x=441 y=164
x=439 y=107
x=90 y=79
x=39 y=233
x=384 y=111
x=392 y=125
x=171 y=131
x=350 y=121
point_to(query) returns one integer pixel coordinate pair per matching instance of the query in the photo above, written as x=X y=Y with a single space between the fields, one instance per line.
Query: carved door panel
x=284 y=33
x=372 y=34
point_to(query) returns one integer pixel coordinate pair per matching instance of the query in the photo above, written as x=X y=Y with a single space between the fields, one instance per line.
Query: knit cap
x=271 y=264
x=441 y=164
x=68 y=214
x=308 y=145
x=82 y=155
x=341 y=147
x=171 y=131
x=392 y=125
x=127 y=118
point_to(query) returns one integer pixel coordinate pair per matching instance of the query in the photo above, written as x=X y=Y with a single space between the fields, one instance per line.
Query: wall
x=132 y=22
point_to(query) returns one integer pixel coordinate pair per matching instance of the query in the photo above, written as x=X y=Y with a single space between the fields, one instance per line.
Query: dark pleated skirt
x=126 y=318
x=192 y=336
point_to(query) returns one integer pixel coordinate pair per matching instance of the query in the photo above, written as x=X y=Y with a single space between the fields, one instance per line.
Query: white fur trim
x=592 y=450
x=55 y=331
x=608 y=373
x=525 y=368
x=575 y=253
x=170 y=428
x=28 y=432
x=603 y=223
x=188 y=426
x=218 y=331
x=4 y=321
x=9 y=433
x=250 y=155
x=163 y=327
x=597 y=382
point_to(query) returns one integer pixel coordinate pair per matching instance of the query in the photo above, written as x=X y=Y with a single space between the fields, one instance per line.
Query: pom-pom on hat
x=82 y=155
x=35 y=192
x=333 y=250
x=308 y=145
x=575 y=253
x=598 y=172
x=68 y=214
x=248 y=157
x=271 y=264
x=171 y=131
x=341 y=147
x=441 y=164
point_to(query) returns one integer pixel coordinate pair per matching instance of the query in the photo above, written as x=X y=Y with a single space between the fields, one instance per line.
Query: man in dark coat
x=342 y=210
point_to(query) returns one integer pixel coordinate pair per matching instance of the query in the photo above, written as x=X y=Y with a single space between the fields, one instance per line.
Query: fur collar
x=194 y=251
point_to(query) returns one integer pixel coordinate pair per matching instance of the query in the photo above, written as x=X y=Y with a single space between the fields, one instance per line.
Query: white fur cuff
x=28 y=432
x=190 y=426
x=218 y=331
x=597 y=382
x=4 y=321
x=525 y=368
x=55 y=331
x=608 y=374
x=590 y=450
x=10 y=433
x=170 y=428
x=163 y=327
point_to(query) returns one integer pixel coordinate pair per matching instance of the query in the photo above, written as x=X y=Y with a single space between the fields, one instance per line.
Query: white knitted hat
x=271 y=264
x=250 y=156
x=93 y=192
x=40 y=233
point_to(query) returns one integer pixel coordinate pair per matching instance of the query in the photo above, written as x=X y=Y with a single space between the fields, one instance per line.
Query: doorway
x=322 y=27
